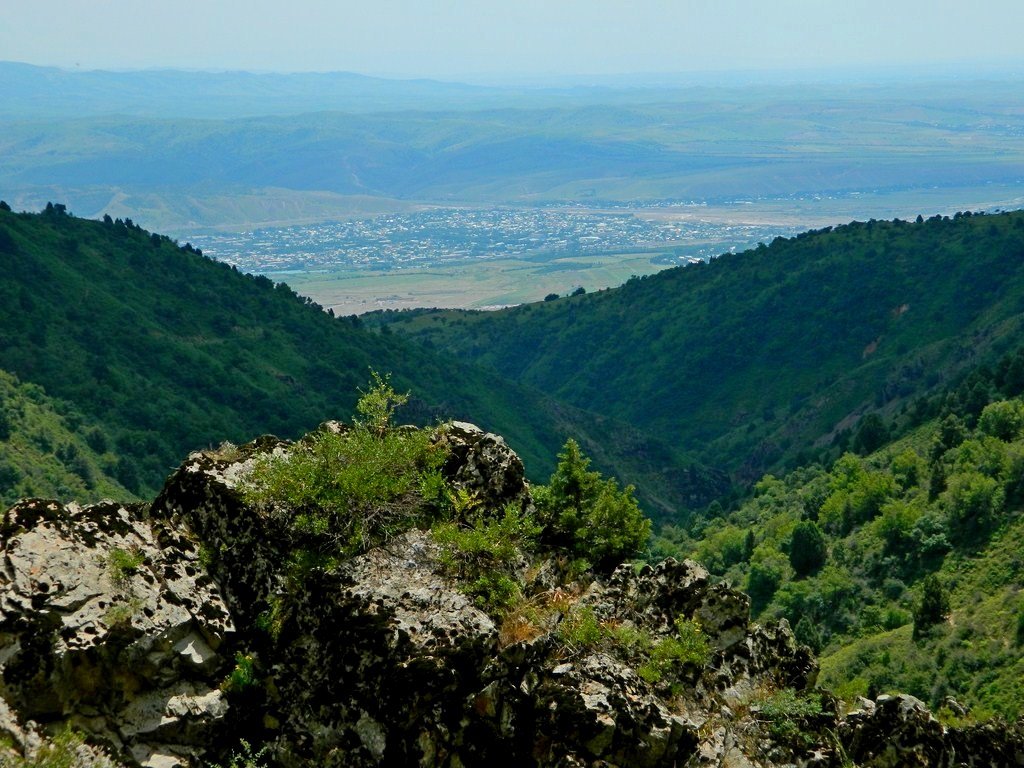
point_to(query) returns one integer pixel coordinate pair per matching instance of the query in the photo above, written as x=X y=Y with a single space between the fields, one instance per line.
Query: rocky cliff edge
x=186 y=633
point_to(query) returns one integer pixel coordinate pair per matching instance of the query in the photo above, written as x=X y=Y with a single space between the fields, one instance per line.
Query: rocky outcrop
x=165 y=634
x=109 y=623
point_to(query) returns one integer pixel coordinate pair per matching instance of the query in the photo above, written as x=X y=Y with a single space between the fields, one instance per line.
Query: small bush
x=59 y=752
x=122 y=564
x=243 y=675
x=245 y=757
x=120 y=614
x=348 y=492
x=786 y=714
x=590 y=515
x=580 y=630
x=670 y=656
x=483 y=550
x=933 y=606
x=808 y=550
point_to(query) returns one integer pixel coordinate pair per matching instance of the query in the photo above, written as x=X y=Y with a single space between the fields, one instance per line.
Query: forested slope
x=901 y=567
x=756 y=360
x=168 y=351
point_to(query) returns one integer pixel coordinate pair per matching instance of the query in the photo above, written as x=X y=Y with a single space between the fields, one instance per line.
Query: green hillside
x=168 y=351
x=902 y=568
x=760 y=360
x=49 y=450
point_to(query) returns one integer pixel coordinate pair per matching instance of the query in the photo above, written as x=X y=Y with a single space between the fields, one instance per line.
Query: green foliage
x=872 y=434
x=121 y=613
x=59 y=752
x=657 y=660
x=808 y=550
x=376 y=406
x=722 y=349
x=972 y=501
x=242 y=676
x=122 y=564
x=1003 y=419
x=688 y=648
x=347 y=491
x=788 y=715
x=174 y=351
x=483 y=550
x=246 y=757
x=763 y=580
x=590 y=515
x=43 y=452
x=900 y=561
x=580 y=630
x=933 y=606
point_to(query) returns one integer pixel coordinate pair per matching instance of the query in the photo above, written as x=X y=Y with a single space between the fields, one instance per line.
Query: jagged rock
x=483 y=464
x=106 y=620
x=899 y=732
x=383 y=659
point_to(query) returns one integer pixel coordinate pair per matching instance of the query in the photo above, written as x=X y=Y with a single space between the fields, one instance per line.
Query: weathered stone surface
x=126 y=652
x=383 y=659
x=483 y=464
x=900 y=731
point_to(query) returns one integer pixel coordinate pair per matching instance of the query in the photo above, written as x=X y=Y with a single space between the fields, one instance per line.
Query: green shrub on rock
x=347 y=490
x=590 y=515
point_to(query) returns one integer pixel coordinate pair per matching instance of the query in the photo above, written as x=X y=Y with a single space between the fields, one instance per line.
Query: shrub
x=60 y=752
x=787 y=715
x=243 y=675
x=808 y=549
x=933 y=606
x=245 y=757
x=484 y=549
x=590 y=515
x=580 y=630
x=345 y=492
x=1003 y=420
x=972 y=502
x=122 y=564
x=763 y=581
x=687 y=648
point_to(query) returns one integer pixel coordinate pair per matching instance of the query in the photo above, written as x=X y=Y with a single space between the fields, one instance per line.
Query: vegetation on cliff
x=47 y=448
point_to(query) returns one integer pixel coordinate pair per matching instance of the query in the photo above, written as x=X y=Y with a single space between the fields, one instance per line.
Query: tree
x=871 y=435
x=808 y=550
x=933 y=607
x=591 y=515
x=1003 y=419
x=763 y=581
x=551 y=297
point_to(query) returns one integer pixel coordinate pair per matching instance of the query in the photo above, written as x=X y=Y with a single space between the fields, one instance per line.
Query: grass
x=470 y=285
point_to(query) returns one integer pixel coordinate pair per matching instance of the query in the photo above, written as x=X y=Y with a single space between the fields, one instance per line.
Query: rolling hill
x=167 y=351
x=763 y=359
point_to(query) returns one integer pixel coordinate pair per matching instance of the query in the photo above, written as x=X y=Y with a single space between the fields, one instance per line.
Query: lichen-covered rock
x=109 y=623
x=483 y=464
x=899 y=732
x=166 y=634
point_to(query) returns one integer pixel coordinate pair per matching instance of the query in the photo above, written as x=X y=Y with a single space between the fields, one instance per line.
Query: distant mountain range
x=174 y=149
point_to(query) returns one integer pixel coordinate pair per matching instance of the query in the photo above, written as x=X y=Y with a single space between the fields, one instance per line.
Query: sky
x=478 y=39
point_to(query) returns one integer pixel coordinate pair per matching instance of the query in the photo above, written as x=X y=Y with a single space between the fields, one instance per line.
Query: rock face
x=109 y=623
x=166 y=633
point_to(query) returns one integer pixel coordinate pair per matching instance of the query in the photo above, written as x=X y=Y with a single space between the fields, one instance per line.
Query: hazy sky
x=456 y=38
